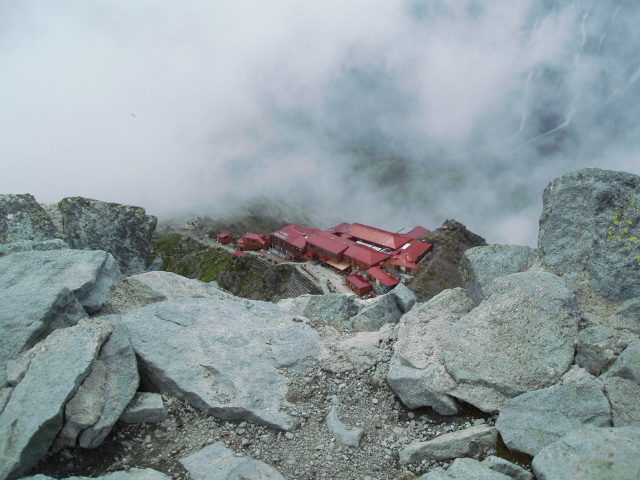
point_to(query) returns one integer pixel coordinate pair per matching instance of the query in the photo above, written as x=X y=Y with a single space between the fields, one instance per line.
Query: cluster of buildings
x=347 y=248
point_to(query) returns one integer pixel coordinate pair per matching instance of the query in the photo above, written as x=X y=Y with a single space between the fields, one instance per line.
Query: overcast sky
x=393 y=113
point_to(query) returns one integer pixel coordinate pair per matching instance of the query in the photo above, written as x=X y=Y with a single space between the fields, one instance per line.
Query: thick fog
x=393 y=113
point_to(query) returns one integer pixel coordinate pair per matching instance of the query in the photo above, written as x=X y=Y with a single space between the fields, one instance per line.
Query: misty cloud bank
x=389 y=113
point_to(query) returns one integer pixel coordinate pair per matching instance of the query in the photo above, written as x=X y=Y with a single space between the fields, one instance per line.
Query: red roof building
x=359 y=285
x=372 y=235
x=224 y=238
x=382 y=279
x=253 y=242
x=292 y=239
x=417 y=232
x=363 y=257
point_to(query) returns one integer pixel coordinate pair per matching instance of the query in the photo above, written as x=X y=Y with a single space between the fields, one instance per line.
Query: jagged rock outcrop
x=43 y=291
x=122 y=230
x=222 y=356
x=23 y=220
x=44 y=380
x=589 y=234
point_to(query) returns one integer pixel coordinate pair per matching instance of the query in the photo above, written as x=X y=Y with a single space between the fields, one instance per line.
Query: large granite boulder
x=22 y=219
x=599 y=346
x=44 y=380
x=480 y=266
x=132 y=474
x=333 y=309
x=224 y=357
x=141 y=290
x=593 y=453
x=467 y=469
x=417 y=372
x=589 y=232
x=122 y=230
x=627 y=365
x=521 y=338
x=533 y=420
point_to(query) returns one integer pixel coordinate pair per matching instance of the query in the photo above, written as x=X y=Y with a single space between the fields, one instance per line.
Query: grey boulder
x=132 y=474
x=519 y=339
x=627 y=365
x=623 y=396
x=417 y=373
x=122 y=230
x=470 y=442
x=598 y=347
x=467 y=469
x=589 y=232
x=533 y=420
x=374 y=314
x=52 y=372
x=480 y=266
x=146 y=407
x=593 y=453
x=23 y=219
x=224 y=357
x=334 y=309
x=217 y=462
x=141 y=290
x=507 y=468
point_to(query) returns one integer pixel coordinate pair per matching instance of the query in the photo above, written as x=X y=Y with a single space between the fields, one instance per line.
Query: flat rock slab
x=470 y=442
x=132 y=474
x=533 y=420
x=521 y=338
x=217 y=462
x=467 y=469
x=32 y=418
x=141 y=290
x=593 y=453
x=92 y=276
x=599 y=346
x=146 y=407
x=222 y=356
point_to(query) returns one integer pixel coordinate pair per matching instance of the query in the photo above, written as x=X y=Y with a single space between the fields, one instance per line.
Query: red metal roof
x=224 y=235
x=259 y=237
x=294 y=234
x=330 y=243
x=417 y=232
x=373 y=235
x=365 y=255
x=403 y=262
x=416 y=250
x=239 y=253
x=383 y=277
x=358 y=281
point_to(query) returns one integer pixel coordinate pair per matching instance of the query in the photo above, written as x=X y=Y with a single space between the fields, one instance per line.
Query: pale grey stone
x=375 y=313
x=347 y=436
x=333 y=309
x=470 y=442
x=141 y=290
x=132 y=474
x=627 y=365
x=146 y=407
x=599 y=346
x=417 y=373
x=624 y=397
x=593 y=453
x=28 y=245
x=467 y=469
x=405 y=298
x=358 y=352
x=34 y=414
x=507 y=468
x=216 y=462
x=519 y=339
x=480 y=266
x=222 y=356
x=533 y=420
